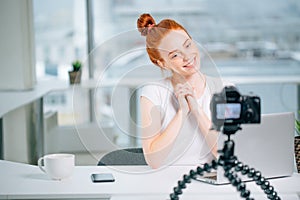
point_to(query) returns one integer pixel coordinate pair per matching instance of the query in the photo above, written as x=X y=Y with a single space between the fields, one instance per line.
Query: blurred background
x=255 y=44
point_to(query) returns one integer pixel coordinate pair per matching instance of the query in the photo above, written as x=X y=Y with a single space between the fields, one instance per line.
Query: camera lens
x=249 y=114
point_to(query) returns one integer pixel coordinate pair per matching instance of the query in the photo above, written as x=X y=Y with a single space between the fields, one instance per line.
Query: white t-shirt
x=190 y=147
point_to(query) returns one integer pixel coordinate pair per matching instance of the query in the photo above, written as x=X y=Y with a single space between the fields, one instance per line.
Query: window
x=244 y=39
x=60 y=34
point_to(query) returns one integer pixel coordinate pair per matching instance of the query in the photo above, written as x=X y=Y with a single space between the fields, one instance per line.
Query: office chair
x=128 y=156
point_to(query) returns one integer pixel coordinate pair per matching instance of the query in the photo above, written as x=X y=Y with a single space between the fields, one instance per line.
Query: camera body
x=229 y=107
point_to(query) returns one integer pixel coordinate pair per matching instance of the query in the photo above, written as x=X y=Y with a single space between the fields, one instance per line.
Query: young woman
x=175 y=110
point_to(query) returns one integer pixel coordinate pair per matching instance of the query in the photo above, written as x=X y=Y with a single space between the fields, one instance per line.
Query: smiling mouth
x=190 y=63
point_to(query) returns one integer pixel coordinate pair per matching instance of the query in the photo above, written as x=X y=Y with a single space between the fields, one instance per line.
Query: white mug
x=57 y=166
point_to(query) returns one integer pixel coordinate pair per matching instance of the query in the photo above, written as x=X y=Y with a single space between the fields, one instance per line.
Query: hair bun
x=144 y=22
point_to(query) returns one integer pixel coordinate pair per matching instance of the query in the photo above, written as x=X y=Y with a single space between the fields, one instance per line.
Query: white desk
x=22 y=181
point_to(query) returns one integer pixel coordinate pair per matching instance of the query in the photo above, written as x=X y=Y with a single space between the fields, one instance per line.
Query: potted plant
x=75 y=74
x=297 y=143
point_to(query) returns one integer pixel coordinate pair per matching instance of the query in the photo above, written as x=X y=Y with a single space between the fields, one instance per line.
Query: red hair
x=154 y=34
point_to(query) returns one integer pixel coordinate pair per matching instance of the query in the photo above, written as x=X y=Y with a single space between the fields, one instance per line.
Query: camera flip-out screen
x=228 y=110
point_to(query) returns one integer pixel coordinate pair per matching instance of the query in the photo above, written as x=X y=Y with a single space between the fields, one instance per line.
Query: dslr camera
x=230 y=108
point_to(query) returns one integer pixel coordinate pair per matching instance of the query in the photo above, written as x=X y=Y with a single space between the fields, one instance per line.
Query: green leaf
x=297 y=126
x=76 y=65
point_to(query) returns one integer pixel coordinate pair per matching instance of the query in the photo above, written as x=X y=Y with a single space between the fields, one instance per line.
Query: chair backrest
x=129 y=156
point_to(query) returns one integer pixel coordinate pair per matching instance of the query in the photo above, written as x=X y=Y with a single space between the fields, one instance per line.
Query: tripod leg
x=187 y=178
x=259 y=180
x=237 y=182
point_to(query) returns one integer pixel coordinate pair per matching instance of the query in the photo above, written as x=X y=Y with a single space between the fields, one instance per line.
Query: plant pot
x=75 y=77
x=297 y=152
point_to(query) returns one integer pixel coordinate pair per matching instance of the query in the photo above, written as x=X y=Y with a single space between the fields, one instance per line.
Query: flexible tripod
x=231 y=165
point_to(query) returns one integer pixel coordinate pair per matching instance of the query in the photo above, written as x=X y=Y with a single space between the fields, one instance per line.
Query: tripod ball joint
x=269 y=190
x=260 y=181
x=274 y=196
x=257 y=176
x=230 y=175
x=251 y=173
x=239 y=167
x=193 y=173
x=200 y=171
x=245 y=169
x=181 y=184
x=241 y=187
x=177 y=190
x=245 y=193
x=174 y=196
x=214 y=164
x=186 y=178
x=265 y=185
x=235 y=182
x=207 y=167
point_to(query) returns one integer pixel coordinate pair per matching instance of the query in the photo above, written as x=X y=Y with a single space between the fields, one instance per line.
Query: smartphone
x=102 y=177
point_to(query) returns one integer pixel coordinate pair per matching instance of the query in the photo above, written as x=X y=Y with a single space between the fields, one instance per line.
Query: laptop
x=268 y=147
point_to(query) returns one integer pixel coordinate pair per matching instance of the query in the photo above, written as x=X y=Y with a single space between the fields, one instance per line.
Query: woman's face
x=180 y=53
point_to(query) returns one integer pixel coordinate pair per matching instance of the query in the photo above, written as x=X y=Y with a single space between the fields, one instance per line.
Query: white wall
x=17 y=66
x=16 y=137
x=17 y=72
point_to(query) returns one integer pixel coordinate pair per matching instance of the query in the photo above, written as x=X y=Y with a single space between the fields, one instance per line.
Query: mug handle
x=40 y=164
